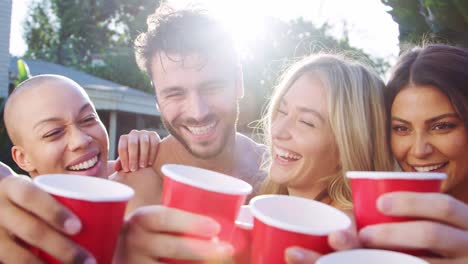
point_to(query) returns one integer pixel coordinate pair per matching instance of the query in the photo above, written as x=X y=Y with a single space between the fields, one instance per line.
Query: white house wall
x=5 y=20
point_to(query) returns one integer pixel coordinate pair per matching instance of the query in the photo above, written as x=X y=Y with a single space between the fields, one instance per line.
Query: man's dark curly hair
x=183 y=32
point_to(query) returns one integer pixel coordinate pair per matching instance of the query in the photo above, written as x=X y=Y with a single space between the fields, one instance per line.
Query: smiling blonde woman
x=325 y=117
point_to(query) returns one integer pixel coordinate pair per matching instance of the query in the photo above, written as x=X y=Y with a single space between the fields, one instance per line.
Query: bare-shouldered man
x=198 y=82
x=197 y=77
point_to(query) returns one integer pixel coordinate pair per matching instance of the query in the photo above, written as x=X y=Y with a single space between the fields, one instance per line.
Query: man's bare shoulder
x=166 y=153
x=146 y=183
x=142 y=178
x=251 y=157
x=249 y=146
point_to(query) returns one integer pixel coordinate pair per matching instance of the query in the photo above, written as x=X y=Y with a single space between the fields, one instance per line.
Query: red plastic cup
x=204 y=192
x=282 y=221
x=98 y=203
x=368 y=186
x=242 y=238
x=369 y=256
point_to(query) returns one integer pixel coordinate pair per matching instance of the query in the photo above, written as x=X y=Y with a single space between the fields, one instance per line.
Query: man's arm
x=146 y=183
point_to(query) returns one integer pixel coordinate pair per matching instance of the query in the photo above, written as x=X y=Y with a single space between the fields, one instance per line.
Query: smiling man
x=197 y=77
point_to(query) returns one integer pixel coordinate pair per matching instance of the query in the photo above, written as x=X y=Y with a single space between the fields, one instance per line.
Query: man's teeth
x=428 y=168
x=287 y=154
x=85 y=164
x=201 y=130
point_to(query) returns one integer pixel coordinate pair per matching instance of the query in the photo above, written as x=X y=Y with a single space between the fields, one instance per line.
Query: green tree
x=120 y=67
x=131 y=17
x=72 y=32
x=40 y=33
x=282 y=44
x=431 y=20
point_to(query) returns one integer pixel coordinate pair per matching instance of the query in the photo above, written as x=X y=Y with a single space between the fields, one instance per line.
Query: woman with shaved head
x=54 y=128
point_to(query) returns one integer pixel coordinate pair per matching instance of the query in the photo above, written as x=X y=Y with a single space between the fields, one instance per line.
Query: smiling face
x=198 y=101
x=428 y=134
x=59 y=131
x=304 y=148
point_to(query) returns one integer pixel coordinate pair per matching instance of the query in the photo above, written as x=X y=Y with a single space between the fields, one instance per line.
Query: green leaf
x=23 y=71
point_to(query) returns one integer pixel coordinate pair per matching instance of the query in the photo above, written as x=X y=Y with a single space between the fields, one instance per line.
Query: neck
x=224 y=162
x=311 y=192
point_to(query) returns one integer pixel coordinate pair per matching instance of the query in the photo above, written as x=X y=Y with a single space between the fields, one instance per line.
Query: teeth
x=428 y=168
x=85 y=164
x=201 y=130
x=286 y=154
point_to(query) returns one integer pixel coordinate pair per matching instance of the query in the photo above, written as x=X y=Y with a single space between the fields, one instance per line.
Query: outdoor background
x=96 y=36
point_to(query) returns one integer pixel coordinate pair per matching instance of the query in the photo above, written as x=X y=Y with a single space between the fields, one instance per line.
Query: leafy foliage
x=431 y=20
x=120 y=67
x=285 y=42
x=71 y=33
x=68 y=32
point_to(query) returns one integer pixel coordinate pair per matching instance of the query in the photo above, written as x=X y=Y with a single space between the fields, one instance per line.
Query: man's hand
x=30 y=215
x=154 y=232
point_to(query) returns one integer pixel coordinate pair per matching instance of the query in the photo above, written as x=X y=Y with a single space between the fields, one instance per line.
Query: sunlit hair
x=439 y=65
x=356 y=115
x=185 y=32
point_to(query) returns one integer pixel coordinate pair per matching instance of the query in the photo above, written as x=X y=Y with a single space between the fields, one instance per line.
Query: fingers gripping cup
x=369 y=256
x=205 y=192
x=368 y=186
x=98 y=203
x=282 y=221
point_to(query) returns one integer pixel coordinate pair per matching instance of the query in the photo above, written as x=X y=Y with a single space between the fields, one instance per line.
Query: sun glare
x=366 y=21
x=243 y=18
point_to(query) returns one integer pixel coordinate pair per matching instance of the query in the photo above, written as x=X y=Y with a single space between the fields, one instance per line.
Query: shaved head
x=55 y=128
x=34 y=88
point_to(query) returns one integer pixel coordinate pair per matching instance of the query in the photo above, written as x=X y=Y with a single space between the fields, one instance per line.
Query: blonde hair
x=356 y=114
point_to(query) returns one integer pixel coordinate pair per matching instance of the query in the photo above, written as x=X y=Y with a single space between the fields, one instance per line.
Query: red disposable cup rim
x=245 y=218
x=369 y=256
x=206 y=179
x=397 y=175
x=86 y=188
x=274 y=209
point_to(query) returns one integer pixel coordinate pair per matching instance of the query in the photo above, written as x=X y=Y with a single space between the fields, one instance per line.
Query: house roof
x=106 y=95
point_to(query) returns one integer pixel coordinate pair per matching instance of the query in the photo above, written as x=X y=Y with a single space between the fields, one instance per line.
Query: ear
x=239 y=82
x=155 y=96
x=157 y=105
x=22 y=159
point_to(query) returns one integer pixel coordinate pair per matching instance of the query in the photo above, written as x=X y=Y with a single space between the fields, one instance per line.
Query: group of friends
x=327 y=115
